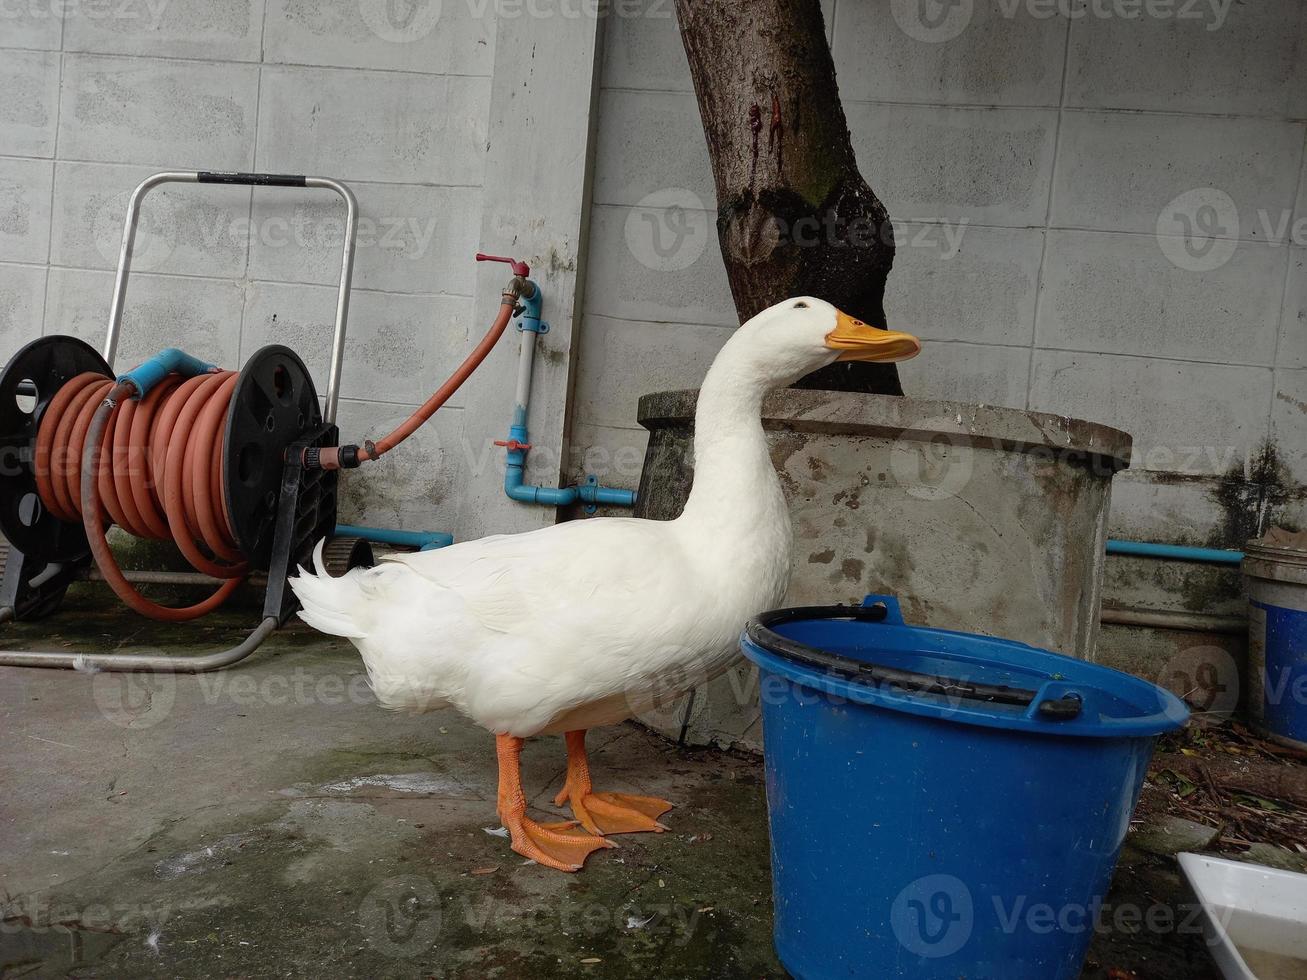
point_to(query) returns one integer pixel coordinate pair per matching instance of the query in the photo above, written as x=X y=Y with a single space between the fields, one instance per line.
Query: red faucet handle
x=519 y=268
x=512 y=445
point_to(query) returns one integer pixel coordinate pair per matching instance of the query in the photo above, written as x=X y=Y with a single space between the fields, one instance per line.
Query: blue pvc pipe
x=590 y=492
x=531 y=307
x=1178 y=552
x=515 y=486
x=422 y=540
x=519 y=490
x=149 y=373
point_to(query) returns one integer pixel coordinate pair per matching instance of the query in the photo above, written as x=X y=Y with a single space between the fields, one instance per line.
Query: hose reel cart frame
x=276 y=512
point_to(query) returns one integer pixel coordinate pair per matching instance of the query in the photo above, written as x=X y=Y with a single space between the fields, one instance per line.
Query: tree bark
x=794 y=215
x=1286 y=783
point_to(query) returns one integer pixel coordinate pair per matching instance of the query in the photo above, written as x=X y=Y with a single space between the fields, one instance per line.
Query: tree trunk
x=1277 y=782
x=794 y=215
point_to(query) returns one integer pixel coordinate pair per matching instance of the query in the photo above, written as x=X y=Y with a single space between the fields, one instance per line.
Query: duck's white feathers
x=568 y=626
x=588 y=622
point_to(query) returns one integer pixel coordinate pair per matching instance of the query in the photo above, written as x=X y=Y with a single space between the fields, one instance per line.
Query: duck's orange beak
x=858 y=342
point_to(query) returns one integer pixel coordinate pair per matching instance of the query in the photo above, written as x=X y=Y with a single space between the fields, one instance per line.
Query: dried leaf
x=1259 y=803
x=1181 y=786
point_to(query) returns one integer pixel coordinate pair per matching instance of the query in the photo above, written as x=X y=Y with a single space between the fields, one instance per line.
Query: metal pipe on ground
x=137 y=662
x=1189 y=622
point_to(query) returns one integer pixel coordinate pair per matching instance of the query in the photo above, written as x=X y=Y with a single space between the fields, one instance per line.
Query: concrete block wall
x=98 y=96
x=1101 y=211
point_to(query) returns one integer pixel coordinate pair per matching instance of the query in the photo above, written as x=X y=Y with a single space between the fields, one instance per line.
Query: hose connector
x=121 y=391
x=331 y=458
x=520 y=286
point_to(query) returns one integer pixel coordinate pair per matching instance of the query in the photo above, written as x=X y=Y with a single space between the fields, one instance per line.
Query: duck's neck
x=735 y=484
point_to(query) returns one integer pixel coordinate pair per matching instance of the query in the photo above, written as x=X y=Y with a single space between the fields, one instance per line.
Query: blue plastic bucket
x=942 y=805
x=1277 y=641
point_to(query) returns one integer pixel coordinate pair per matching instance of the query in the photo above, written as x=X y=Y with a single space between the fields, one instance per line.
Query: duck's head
x=800 y=335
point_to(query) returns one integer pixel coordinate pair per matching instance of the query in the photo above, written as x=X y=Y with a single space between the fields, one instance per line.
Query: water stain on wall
x=1251 y=497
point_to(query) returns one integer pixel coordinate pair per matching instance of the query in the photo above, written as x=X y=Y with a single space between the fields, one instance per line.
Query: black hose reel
x=276 y=509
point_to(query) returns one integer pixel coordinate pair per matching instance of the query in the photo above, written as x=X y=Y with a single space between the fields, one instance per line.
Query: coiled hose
x=153 y=466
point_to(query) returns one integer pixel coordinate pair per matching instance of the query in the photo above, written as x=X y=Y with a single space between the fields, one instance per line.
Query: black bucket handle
x=877 y=609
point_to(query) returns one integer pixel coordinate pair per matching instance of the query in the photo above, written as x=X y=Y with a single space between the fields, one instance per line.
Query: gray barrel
x=981 y=519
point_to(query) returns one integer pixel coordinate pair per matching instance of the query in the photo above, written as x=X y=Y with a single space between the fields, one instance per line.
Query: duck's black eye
x=800 y=305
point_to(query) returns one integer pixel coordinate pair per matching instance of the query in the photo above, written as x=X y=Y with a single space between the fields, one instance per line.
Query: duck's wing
x=508 y=582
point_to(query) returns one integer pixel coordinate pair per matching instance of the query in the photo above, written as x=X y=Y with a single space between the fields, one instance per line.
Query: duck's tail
x=329 y=604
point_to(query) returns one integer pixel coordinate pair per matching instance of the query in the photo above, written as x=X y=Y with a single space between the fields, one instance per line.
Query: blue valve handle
x=171 y=361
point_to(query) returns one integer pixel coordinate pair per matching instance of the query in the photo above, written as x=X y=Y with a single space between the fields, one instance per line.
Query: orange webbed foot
x=605 y=813
x=616 y=813
x=563 y=846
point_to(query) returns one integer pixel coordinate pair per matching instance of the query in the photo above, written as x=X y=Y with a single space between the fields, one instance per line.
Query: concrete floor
x=271 y=820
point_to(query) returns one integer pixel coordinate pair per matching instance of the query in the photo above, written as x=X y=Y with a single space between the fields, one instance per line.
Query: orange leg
x=563 y=846
x=605 y=813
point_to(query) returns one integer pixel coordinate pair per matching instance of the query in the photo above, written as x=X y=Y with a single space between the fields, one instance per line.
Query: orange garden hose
x=451 y=385
x=152 y=466
x=343 y=457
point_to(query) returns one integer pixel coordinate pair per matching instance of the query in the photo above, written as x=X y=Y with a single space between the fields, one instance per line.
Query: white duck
x=585 y=623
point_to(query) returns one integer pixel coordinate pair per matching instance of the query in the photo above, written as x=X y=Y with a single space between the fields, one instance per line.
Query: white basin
x=1255 y=918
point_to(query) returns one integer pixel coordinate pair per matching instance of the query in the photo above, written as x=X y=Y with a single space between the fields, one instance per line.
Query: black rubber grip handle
x=759 y=630
x=254 y=180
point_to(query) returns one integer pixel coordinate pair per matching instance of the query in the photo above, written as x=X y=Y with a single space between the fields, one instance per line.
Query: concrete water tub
x=983 y=519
